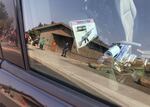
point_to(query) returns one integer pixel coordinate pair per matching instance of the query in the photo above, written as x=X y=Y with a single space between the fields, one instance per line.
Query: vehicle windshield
x=90 y=44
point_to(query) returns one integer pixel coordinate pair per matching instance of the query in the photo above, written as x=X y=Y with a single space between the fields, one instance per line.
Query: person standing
x=65 y=49
x=42 y=43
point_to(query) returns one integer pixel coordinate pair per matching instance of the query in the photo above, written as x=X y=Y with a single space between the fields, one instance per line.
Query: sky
x=103 y=12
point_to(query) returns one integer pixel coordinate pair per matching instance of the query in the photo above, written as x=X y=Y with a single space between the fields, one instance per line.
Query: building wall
x=85 y=54
x=49 y=39
x=59 y=39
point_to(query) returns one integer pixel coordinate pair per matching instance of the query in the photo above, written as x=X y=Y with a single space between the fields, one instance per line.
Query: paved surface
x=91 y=82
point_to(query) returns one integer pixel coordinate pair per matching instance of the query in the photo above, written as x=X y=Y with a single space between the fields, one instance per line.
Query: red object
x=53 y=46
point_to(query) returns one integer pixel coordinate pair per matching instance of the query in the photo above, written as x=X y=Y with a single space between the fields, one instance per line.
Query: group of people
x=41 y=43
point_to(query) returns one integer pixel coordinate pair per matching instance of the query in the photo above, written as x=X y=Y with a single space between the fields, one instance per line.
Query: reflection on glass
x=87 y=39
x=8 y=33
